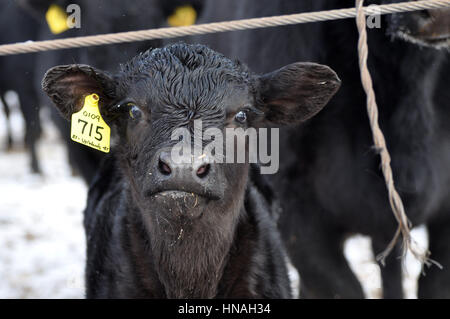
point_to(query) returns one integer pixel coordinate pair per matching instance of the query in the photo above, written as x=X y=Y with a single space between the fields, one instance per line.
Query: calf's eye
x=241 y=117
x=135 y=112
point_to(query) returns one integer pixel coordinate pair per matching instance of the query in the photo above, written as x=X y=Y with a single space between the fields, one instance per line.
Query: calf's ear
x=67 y=86
x=295 y=92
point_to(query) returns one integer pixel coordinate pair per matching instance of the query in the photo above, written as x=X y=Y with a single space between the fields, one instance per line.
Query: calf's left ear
x=68 y=85
x=295 y=92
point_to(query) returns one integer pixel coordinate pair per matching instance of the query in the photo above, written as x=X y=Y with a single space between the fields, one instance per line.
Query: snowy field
x=42 y=244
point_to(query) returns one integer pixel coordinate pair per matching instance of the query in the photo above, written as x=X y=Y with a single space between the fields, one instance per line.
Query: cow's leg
x=436 y=282
x=6 y=110
x=316 y=250
x=391 y=272
x=30 y=111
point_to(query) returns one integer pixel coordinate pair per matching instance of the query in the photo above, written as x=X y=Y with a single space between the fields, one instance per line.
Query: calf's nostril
x=164 y=168
x=203 y=170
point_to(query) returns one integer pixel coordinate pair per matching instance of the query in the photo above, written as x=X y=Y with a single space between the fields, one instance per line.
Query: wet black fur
x=121 y=263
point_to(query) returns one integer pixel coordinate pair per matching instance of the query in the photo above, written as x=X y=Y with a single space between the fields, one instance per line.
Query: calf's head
x=170 y=88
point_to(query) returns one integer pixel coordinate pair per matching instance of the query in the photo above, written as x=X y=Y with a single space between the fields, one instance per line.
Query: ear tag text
x=56 y=19
x=88 y=126
x=182 y=16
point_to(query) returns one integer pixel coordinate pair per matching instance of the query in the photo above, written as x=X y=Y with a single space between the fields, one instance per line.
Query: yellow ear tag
x=56 y=19
x=182 y=16
x=88 y=126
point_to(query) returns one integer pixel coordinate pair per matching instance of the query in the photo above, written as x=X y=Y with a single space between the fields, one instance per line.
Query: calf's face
x=175 y=87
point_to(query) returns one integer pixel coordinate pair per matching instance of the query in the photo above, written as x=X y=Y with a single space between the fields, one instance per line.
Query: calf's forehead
x=197 y=94
x=190 y=78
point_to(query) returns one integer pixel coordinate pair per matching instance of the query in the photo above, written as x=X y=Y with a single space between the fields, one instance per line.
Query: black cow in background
x=17 y=74
x=330 y=161
x=98 y=17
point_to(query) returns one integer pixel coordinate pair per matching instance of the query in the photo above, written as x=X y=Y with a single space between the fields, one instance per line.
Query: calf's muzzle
x=195 y=175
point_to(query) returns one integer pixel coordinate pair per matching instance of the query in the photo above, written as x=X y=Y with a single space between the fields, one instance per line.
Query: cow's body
x=17 y=74
x=331 y=161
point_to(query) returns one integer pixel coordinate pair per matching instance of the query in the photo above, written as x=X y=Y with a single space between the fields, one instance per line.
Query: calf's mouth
x=178 y=203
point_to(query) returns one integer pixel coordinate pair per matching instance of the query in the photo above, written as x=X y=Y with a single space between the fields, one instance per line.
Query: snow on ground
x=42 y=244
x=358 y=251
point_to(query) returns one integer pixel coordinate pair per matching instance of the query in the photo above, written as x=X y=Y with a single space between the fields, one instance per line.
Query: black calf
x=155 y=229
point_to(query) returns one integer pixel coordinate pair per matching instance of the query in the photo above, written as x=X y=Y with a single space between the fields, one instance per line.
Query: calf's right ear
x=67 y=86
x=295 y=92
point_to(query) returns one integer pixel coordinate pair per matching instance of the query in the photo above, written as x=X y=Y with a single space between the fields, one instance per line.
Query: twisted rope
x=246 y=24
x=404 y=226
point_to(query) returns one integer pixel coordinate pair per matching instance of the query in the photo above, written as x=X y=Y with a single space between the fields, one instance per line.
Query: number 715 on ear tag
x=88 y=126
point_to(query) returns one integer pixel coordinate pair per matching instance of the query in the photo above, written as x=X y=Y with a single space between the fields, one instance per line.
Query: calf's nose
x=196 y=175
x=198 y=169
